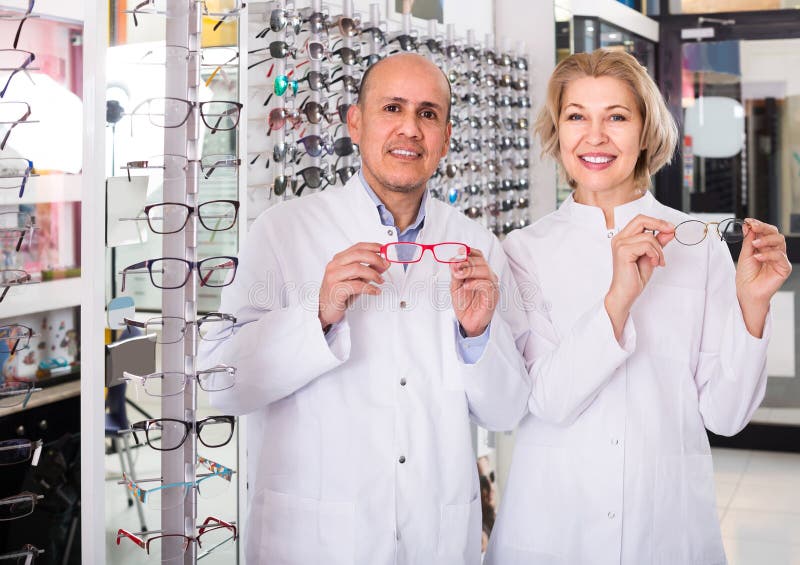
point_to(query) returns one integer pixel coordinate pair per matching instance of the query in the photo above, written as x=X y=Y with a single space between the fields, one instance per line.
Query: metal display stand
x=182 y=80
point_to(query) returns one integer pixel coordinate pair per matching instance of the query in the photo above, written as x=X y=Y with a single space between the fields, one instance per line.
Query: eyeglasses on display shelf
x=168 y=112
x=13 y=62
x=12 y=114
x=167 y=434
x=27 y=555
x=14 y=338
x=219 y=10
x=14 y=277
x=7 y=15
x=16 y=451
x=16 y=394
x=222 y=165
x=212 y=534
x=172 y=383
x=173 y=272
x=18 y=506
x=172 y=329
x=14 y=173
x=14 y=226
x=208 y=486
x=171 y=217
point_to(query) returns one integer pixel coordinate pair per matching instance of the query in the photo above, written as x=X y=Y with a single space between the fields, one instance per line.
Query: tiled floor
x=758 y=499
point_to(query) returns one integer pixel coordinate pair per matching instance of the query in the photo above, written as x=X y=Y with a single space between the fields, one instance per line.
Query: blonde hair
x=659 y=131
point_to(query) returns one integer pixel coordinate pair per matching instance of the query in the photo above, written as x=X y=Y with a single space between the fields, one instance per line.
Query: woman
x=639 y=342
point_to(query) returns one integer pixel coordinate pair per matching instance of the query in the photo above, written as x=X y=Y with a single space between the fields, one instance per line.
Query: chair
x=137 y=354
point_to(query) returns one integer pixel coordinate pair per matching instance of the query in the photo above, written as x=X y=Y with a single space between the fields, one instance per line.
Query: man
x=360 y=376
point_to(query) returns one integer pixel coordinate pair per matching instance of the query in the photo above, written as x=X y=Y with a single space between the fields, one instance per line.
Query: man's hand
x=636 y=252
x=474 y=290
x=350 y=273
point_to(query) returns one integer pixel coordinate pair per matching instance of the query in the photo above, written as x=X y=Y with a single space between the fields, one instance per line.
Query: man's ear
x=448 y=132
x=354 y=123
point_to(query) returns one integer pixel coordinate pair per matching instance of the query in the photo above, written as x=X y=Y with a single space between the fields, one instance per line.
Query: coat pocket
x=685 y=523
x=299 y=530
x=459 y=530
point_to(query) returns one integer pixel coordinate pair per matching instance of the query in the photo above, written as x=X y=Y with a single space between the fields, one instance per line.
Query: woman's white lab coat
x=360 y=452
x=612 y=463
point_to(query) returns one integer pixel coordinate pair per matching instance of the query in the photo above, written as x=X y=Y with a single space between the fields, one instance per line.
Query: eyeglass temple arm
x=211 y=522
x=125 y=533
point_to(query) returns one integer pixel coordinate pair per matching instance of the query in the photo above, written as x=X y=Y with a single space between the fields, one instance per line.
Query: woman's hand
x=761 y=270
x=637 y=250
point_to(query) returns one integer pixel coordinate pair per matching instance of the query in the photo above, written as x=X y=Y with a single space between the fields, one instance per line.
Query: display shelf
x=41 y=297
x=57 y=187
x=50 y=395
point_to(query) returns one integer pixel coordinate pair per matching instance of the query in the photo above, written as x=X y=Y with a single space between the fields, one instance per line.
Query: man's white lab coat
x=360 y=452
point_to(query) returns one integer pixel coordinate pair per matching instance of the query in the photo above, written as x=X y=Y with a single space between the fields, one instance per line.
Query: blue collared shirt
x=470 y=348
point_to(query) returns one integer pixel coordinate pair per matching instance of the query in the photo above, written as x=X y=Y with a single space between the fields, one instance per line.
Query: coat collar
x=591 y=217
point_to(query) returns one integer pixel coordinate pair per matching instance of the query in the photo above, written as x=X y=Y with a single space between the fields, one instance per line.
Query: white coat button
x=403 y=304
x=390 y=232
x=403 y=381
x=610 y=234
x=611 y=515
x=402 y=459
x=397 y=535
x=614 y=441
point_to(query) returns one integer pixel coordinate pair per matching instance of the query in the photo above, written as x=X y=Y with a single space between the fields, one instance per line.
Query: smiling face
x=599 y=135
x=400 y=124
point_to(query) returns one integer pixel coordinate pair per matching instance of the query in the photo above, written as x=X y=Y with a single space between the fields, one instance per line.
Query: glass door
x=737 y=99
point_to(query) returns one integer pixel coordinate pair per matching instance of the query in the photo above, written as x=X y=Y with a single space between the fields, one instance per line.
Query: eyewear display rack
x=183 y=27
x=306 y=65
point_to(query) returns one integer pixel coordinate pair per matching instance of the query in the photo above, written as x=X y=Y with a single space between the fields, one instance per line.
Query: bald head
x=405 y=64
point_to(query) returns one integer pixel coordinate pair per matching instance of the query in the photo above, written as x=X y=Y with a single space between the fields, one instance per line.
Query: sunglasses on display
x=348 y=55
x=280 y=19
x=406 y=42
x=316 y=177
x=410 y=252
x=213 y=326
x=348 y=26
x=378 y=34
x=173 y=272
x=317 y=21
x=279 y=116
